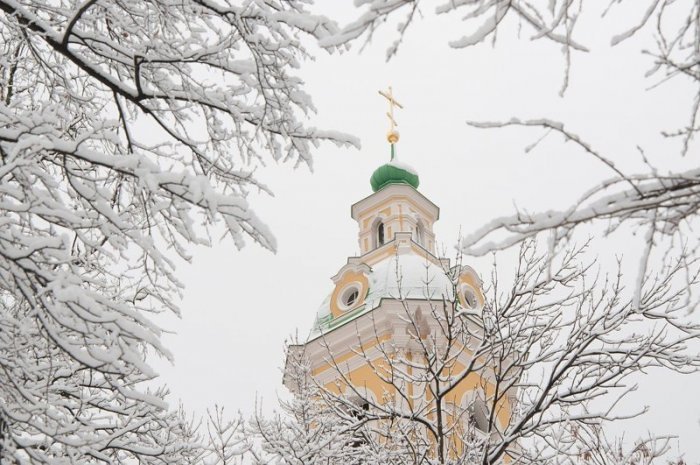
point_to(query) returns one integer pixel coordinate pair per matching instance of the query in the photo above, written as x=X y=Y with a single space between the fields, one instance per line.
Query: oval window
x=469 y=298
x=349 y=297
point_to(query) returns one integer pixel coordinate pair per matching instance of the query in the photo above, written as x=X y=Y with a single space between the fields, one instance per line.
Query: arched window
x=478 y=412
x=359 y=409
x=420 y=234
x=380 y=234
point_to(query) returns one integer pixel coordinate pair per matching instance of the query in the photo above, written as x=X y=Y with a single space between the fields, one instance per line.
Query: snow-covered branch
x=128 y=130
x=547 y=361
x=482 y=19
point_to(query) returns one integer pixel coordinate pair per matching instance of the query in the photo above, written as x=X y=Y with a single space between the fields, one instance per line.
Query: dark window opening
x=360 y=413
x=380 y=234
x=351 y=298
x=419 y=234
x=478 y=416
x=470 y=298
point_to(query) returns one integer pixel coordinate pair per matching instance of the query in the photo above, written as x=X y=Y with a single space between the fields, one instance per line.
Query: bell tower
x=389 y=302
x=396 y=208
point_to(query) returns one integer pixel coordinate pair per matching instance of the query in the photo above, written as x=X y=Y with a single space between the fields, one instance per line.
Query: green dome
x=393 y=173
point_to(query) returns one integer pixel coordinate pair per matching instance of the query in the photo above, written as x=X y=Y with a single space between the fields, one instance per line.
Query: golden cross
x=393 y=135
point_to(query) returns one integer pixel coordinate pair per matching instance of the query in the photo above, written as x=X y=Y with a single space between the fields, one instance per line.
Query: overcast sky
x=241 y=306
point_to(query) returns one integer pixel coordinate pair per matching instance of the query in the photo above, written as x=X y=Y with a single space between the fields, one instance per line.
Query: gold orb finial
x=393 y=135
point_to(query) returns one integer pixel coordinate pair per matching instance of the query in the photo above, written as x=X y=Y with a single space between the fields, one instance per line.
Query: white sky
x=241 y=306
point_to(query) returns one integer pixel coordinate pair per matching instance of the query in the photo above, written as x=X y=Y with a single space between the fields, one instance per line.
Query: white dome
x=415 y=277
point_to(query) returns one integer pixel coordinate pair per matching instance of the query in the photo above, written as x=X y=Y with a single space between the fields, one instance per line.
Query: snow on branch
x=128 y=132
x=482 y=18
x=535 y=377
x=663 y=205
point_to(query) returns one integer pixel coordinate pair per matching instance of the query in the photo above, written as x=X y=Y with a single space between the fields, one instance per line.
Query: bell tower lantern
x=396 y=206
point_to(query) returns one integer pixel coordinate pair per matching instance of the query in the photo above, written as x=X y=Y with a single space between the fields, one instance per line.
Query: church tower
x=386 y=309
